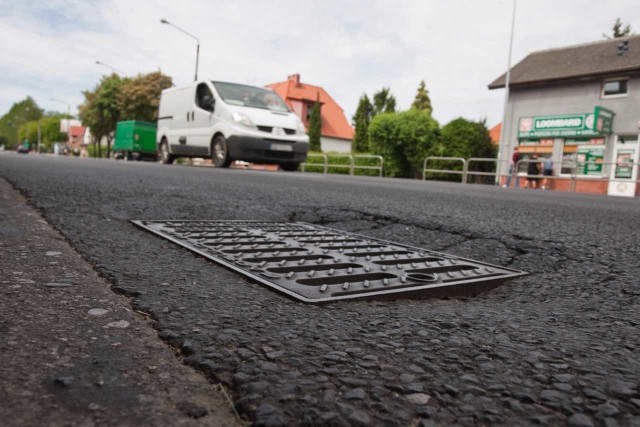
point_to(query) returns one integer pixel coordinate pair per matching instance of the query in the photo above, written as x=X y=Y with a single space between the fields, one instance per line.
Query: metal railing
x=481 y=160
x=600 y=171
x=601 y=175
x=379 y=167
x=352 y=166
x=324 y=165
x=462 y=172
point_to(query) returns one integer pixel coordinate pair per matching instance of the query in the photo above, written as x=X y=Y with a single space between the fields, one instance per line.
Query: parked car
x=23 y=148
x=227 y=122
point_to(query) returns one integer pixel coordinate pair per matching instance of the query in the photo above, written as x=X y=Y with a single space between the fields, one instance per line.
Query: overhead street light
x=164 y=21
x=112 y=68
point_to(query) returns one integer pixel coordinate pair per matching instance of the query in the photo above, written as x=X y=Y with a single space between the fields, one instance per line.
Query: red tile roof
x=77 y=131
x=334 y=122
x=494 y=133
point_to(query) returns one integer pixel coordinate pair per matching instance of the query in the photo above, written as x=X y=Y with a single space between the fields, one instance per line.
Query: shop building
x=580 y=107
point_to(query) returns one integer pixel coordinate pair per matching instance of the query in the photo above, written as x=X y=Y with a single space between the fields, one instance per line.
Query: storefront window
x=583 y=156
x=543 y=148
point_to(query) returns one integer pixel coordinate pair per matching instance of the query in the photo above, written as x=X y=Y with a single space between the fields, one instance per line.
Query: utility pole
x=505 y=129
x=39 y=136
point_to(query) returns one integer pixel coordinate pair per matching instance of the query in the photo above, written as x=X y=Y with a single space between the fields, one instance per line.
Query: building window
x=309 y=111
x=615 y=88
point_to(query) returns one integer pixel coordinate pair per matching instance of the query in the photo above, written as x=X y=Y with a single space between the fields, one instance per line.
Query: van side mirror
x=208 y=102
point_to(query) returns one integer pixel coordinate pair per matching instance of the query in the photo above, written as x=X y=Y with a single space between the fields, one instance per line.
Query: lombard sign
x=567 y=125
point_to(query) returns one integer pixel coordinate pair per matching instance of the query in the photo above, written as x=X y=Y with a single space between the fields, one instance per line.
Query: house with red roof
x=336 y=132
x=76 y=137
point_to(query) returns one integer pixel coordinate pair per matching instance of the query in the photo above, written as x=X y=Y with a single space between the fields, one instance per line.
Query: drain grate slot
x=404 y=261
x=328 y=239
x=317 y=264
x=353 y=278
x=288 y=258
x=263 y=250
x=443 y=269
x=241 y=242
x=321 y=267
x=365 y=247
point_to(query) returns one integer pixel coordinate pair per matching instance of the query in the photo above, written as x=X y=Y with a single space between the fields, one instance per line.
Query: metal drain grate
x=319 y=264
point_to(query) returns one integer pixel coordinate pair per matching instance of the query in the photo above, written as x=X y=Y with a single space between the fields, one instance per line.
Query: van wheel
x=163 y=154
x=290 y=167
x=219 y=153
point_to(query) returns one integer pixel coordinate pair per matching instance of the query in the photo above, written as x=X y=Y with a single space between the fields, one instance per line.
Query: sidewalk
x=74 y=353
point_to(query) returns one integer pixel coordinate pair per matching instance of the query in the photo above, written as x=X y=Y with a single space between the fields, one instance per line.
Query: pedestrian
x=534 y=170
x=512 y=168
x=547 y=170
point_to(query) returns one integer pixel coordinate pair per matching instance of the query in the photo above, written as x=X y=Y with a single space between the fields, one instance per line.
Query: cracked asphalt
x=558 y=347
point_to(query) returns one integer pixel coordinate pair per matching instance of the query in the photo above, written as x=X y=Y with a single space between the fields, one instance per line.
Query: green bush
x=464 y=138
x=93 y=150
x=404 y=140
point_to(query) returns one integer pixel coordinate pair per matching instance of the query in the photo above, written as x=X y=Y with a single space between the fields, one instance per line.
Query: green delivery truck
x=135 y=140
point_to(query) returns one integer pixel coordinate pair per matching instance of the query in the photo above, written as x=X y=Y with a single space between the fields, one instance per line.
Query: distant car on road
x=227 y=122
x=23 y=148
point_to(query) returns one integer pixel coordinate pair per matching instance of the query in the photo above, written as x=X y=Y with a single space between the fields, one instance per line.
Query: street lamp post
x=68 y=119
x=112 y=68
x=164 y=21
x=504 y=129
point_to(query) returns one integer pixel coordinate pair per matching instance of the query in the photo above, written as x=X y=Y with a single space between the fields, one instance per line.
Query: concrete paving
x=74 y=353
x=557 y=347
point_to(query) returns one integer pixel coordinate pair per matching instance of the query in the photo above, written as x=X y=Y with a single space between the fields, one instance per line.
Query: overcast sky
x=48 y=49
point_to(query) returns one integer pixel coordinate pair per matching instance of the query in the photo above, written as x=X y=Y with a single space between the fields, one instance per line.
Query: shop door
x=624 y=174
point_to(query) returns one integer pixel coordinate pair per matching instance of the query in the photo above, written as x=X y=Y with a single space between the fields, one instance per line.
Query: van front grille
x=269 y=129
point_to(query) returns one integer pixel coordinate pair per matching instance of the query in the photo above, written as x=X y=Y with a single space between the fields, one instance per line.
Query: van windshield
x=250 y=96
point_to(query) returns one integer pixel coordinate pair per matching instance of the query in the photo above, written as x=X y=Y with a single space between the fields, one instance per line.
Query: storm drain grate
x=319 y=264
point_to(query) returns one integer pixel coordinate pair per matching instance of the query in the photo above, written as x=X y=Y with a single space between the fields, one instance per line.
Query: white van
x=227 y=122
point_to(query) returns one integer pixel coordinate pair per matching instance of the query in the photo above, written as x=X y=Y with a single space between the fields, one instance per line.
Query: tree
x=19 y=114
x=383 y=102
x=91 y=117
x=465 y=138
x=139 y=98
x=422 y=100
x=619 y=30
x=315 y=126
x=28 y=131
x=49 y=131
x=100 y=110
x=404 y=140
x=361 y=120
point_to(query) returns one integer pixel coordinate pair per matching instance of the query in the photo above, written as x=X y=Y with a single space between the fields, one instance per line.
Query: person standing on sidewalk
x=534 y=170
x=512 y=168
x=547 y=170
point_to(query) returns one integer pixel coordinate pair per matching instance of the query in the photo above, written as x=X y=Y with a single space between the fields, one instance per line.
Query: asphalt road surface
x=559 y=346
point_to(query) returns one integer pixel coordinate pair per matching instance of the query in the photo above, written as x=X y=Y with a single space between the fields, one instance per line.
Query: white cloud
x=458 y=47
